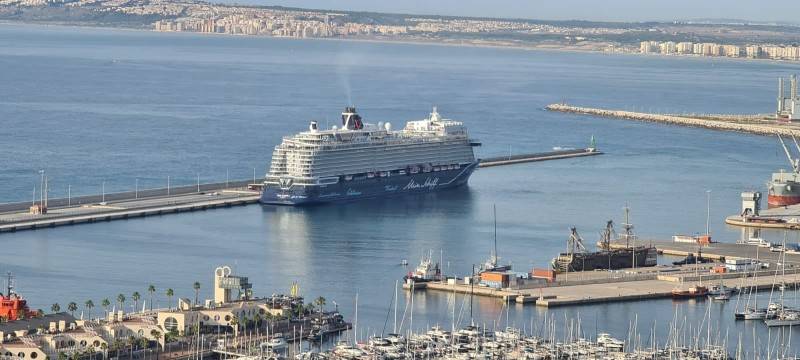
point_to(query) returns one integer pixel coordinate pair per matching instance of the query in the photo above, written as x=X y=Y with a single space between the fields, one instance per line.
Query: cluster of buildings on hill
x=775 y=52
x=284 y=26
x=61 y=335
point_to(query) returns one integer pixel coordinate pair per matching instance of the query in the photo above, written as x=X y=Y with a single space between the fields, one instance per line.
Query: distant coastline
x=476 y=43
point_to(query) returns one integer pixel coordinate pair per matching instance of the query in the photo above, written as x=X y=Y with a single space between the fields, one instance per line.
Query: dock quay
x=753 y=124
x=605 y=287
x=591 y=287
x=717 y=251
x=785 y=217
x=544 y=156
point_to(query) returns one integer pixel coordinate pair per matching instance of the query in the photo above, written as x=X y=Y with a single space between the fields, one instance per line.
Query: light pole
x=69 y=195
x=167 y=185
x=198 y=182
x=136 y=189
x=104 y=192
x=227 y=176
x=41 y=188
x=708 y=212
x=254 y=175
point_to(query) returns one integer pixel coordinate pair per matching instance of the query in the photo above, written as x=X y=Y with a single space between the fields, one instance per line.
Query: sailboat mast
x=494 y=209
x=395 y=307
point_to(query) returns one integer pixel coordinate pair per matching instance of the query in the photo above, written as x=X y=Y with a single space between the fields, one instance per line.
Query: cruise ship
x=360 y=160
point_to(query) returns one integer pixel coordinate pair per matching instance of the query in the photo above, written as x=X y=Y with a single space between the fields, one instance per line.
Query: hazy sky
x=612 y=10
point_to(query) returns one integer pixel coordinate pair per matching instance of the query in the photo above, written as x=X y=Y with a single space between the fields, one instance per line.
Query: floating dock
x=591 y=287
x=753 y=124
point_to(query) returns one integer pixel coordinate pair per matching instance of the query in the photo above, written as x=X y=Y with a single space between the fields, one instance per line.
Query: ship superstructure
x=360 y=160
x=784 y=187
x=12 y=305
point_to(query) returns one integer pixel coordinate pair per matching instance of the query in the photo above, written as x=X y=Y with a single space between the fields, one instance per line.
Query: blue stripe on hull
x=367 y=188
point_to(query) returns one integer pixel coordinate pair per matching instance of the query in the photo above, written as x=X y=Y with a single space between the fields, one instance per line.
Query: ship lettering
x=430 y=184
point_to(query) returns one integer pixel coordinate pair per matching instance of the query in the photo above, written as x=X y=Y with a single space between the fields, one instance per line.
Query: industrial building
x=788 y=106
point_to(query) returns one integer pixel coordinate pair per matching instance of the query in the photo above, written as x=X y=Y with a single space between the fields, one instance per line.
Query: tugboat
x=697 y=291
x=426 y=271
x=12 y=305
x=691 y=259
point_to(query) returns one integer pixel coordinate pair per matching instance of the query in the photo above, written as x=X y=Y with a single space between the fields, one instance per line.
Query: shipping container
x=548 y=274
x=495 y=276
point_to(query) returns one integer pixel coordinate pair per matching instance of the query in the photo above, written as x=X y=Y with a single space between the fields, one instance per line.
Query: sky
x=596 y=10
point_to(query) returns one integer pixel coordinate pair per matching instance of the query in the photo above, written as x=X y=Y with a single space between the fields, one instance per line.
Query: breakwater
x=753 y=124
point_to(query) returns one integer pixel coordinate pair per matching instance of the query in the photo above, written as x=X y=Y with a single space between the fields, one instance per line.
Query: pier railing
x=130 y=195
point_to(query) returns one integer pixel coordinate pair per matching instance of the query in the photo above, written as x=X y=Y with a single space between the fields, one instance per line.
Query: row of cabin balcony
x=316 y=154
x=346 y=145
x=395 y=163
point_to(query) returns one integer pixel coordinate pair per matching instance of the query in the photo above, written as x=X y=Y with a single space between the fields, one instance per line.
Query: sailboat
x=752 y=312
x=781 y=315
x=492 y=264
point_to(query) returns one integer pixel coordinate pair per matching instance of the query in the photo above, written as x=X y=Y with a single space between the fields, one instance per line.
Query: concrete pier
x=12 y=221
x=604 y=287
x=544 y=156
x=589 y=287
x=717 y=251
x=754 y=124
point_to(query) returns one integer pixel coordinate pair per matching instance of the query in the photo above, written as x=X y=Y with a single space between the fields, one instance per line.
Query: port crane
x=795 y=162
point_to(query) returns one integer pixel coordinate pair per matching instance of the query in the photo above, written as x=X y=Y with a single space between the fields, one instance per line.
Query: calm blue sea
x=96 y=105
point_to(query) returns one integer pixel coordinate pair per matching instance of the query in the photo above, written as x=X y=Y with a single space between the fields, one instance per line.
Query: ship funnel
x=351 y=120
x=313 y=126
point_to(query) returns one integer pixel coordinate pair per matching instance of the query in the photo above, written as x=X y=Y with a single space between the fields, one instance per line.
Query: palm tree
x=320 y=301
x=258 y=319
x=235 y=324
x=90 y=350
x=105 y=303
x=136 y=297
x=170 y=294
x=131 y=341
x=157 y=336
x=151 y=290
x=89 y=304
x=55 y=308
x=196 y=287
x=121 y=301
x=104 y=347
x=72 y=306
